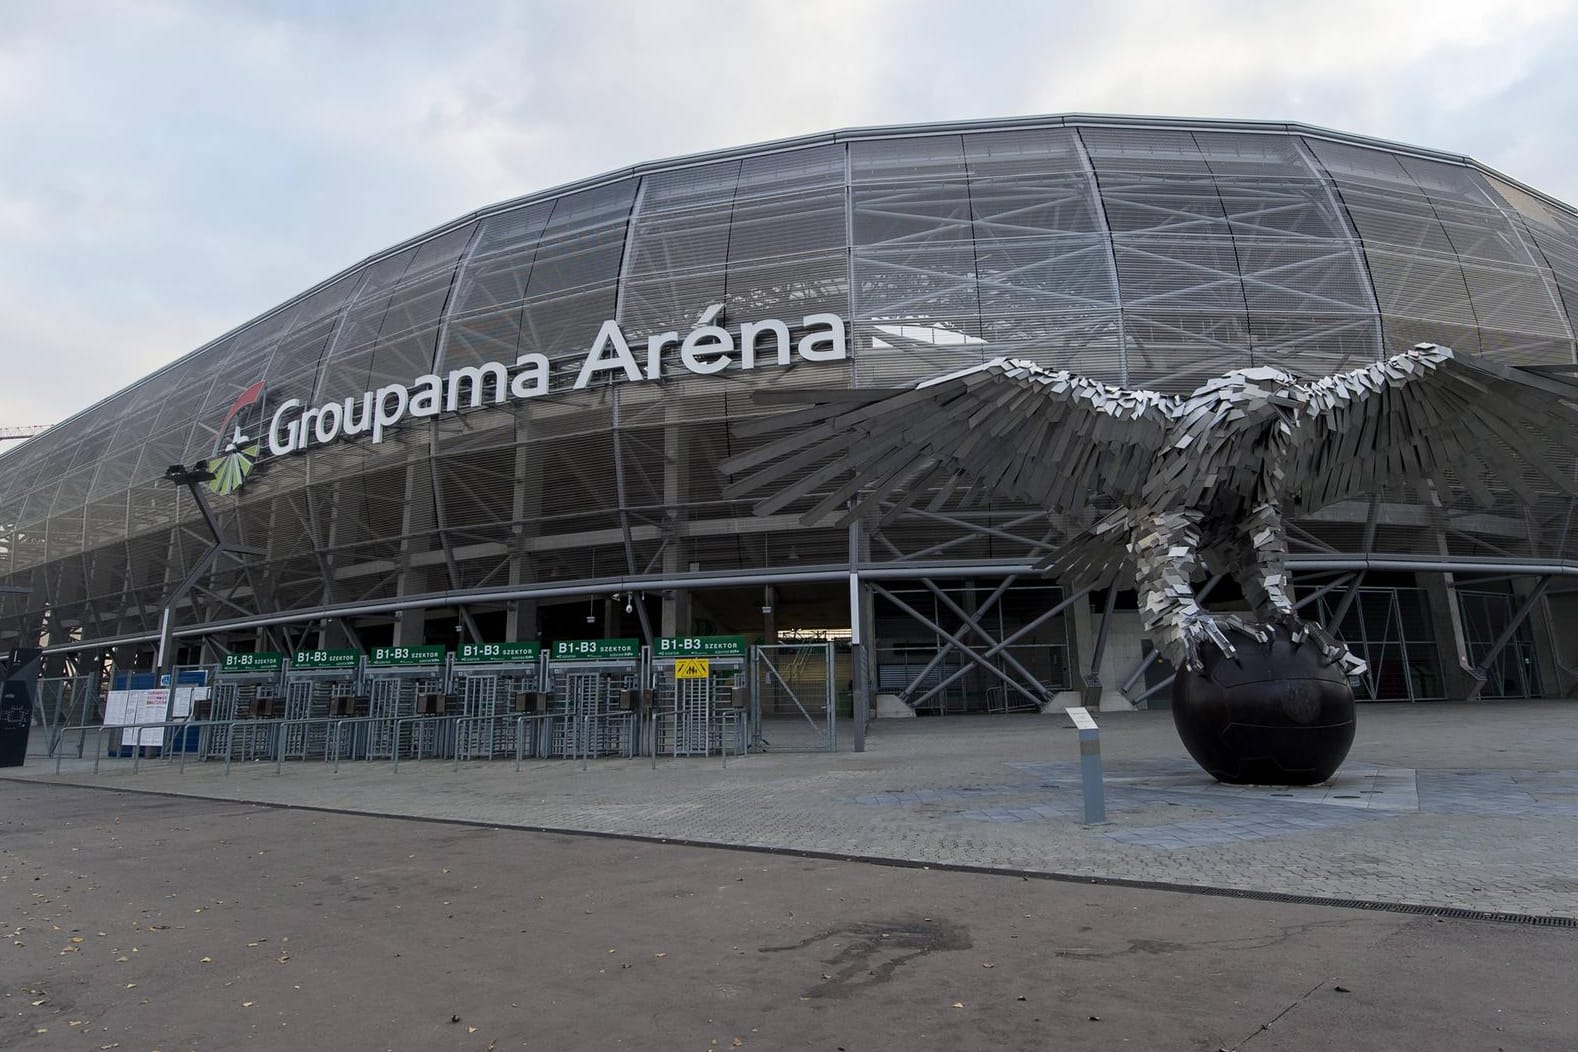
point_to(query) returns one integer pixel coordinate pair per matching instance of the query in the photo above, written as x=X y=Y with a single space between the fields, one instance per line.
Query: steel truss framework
x=1145 y=252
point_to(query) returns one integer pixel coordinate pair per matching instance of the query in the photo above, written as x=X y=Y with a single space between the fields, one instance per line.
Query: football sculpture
x=1279 y=713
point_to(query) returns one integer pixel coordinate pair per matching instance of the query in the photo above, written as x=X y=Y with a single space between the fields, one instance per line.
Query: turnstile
x=589 y=718
x=592 y=690
x=701 y=695
x=495 y=684
x=241 y=717
x=315 y=700
x=393 y=695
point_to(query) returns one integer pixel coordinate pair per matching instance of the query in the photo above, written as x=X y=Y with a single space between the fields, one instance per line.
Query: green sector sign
x=388 y=657
x=325 y=659
x=699 y=646
x=488 y=653
x=262 y=661
x=597 y=650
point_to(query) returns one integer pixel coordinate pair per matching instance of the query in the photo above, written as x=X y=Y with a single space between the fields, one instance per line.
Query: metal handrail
x=336 y=746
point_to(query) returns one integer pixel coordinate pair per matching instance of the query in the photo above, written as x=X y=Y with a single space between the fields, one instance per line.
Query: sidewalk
x=1471 y=807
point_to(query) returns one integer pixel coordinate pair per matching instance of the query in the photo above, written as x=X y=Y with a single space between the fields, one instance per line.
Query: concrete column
x=862 y=632
x=417 y=521
x=1451 y=642
x=677 y=618
x=520 y=619
x=769 y=614
x=410 y=628
x=1081 y=646
x=1446 y=617
x=1560 y=648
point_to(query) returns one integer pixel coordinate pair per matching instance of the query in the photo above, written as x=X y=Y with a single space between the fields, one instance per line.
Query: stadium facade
x=508 y=428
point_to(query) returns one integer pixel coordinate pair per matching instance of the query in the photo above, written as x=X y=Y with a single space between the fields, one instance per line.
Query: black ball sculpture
x=1276 y=714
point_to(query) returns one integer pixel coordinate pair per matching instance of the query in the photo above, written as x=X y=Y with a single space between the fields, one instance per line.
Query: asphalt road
x=138 y=922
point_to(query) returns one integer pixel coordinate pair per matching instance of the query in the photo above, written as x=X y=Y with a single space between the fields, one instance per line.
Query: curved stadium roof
x=1143 y=251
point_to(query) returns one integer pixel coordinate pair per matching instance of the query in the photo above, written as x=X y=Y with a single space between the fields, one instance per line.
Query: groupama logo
x=236 y=453
x=709 y=347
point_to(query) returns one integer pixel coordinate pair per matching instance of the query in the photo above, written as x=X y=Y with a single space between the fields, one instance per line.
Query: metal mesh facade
x=1149 y=253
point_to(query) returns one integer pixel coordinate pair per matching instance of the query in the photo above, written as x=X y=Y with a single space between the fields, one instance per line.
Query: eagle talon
x=1332 y=651
x=1204 y=628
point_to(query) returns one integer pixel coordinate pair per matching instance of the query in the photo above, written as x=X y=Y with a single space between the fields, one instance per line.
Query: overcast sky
x=170 y=170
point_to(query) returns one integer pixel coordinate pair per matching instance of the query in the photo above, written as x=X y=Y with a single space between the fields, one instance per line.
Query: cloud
x=173 y=169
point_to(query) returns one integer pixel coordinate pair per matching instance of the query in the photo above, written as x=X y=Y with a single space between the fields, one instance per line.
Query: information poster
x=147 y=706
x=181 y=702
x=115 y=703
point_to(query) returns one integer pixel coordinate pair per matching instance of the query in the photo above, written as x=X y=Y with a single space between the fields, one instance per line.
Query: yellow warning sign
x=691 y=668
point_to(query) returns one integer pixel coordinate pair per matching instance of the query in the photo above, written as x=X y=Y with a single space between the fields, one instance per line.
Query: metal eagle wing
x=1049 y=438
x=1418 y=415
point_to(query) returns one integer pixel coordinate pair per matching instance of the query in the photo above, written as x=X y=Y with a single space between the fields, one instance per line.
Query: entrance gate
x=490 y=677
x=399 y=677
x=701 y=698
x=246 y=688
x=322 y=686
x=793 y=704
x=590 y=682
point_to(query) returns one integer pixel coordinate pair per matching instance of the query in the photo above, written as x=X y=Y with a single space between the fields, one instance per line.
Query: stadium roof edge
x=828 y=138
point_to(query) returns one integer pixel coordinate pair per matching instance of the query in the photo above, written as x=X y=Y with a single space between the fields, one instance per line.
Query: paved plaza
x=135 y=922
x=1452 y=807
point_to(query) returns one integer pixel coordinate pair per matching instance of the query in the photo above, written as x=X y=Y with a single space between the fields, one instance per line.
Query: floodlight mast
x=192 y=478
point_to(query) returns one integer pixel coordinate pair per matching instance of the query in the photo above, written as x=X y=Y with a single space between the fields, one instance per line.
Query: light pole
x=191 y=478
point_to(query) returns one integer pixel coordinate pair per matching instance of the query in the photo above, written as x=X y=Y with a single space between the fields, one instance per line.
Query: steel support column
x=1482 y=667
x=944 y=651
x=859 y=640
x=1023 y=631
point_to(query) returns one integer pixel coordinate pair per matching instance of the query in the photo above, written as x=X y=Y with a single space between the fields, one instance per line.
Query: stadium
x=508 y=429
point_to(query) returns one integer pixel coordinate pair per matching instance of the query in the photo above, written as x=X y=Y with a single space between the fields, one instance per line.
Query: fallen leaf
x=1342 y=989
x=469 y=1029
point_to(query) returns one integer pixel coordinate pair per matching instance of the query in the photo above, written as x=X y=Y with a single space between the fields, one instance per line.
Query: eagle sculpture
x=1187 y=483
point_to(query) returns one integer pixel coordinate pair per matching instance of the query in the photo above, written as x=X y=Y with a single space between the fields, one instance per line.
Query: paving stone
x=1473 y=806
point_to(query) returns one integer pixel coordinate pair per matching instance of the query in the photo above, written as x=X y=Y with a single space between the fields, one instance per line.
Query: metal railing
x=345 y=738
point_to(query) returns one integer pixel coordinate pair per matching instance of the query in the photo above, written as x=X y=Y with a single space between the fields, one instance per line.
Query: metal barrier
x=536 y=735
